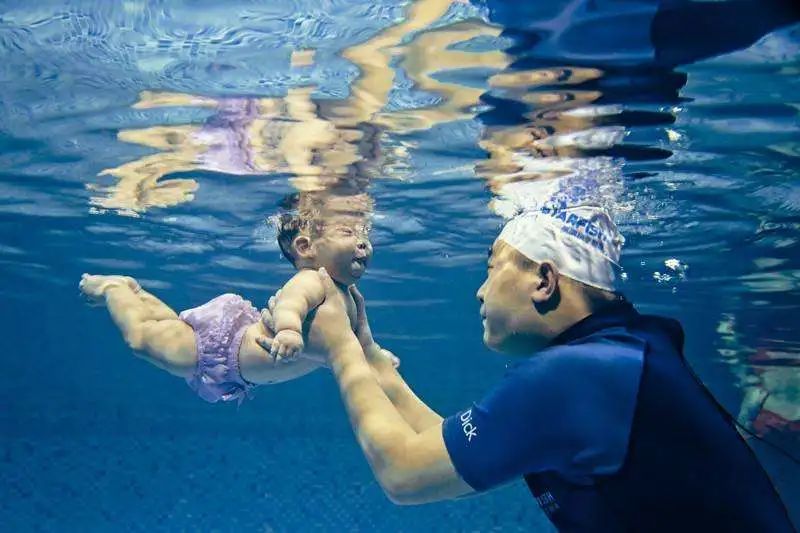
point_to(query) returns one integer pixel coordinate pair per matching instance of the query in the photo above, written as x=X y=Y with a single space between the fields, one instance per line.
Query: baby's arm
x=150 y=327
x=299 y=295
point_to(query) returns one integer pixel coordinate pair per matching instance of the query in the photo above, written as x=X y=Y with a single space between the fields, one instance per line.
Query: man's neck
x=570 y=311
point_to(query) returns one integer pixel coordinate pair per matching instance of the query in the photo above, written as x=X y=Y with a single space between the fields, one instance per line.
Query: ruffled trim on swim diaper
x=219 y=327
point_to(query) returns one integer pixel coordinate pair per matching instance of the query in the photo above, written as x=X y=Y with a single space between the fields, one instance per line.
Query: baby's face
x=344 y=249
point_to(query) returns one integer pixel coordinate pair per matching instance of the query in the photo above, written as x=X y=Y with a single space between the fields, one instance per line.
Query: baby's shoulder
x=305 y=284
x=305 y=277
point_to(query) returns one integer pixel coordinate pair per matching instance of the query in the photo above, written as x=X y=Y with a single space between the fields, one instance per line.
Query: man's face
x=511 y=323
x=343 y=248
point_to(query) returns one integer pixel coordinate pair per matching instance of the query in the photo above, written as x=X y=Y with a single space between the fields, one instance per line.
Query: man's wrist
x=346 y=345
x=372 y=351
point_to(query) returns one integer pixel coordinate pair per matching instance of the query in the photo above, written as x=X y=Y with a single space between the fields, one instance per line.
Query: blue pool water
x=156 y=139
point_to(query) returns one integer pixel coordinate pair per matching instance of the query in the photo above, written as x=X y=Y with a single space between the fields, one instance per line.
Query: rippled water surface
x=157 y=139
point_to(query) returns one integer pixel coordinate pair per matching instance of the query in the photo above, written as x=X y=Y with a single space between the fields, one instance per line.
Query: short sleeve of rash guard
x=568 y=409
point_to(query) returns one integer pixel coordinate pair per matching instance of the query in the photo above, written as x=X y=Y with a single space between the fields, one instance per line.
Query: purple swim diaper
x=219 y=326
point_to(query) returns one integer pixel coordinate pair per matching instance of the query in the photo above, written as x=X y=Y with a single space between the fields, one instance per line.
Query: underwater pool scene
x=162 y=139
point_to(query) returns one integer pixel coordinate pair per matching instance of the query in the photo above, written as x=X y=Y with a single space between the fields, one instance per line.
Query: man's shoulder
x=610 y=354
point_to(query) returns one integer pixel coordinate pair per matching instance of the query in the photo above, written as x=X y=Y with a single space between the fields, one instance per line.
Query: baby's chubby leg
x=149 y=326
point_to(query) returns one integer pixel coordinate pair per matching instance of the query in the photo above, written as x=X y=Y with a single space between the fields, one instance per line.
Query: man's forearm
x=418 y=415
x=380 y=427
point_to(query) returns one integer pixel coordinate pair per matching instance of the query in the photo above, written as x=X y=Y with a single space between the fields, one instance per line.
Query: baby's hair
x=307 y=211
x=288 y=229
x=292 y=222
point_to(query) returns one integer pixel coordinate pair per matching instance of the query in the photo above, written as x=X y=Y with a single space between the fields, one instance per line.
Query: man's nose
x=481 y=292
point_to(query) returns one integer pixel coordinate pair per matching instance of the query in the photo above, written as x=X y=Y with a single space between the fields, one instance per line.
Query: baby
x=215 y=346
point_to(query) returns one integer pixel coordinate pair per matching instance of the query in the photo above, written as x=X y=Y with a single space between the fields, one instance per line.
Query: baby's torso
x=256 y=365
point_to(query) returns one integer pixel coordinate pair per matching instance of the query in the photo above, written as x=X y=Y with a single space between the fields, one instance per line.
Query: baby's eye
x=346 y=231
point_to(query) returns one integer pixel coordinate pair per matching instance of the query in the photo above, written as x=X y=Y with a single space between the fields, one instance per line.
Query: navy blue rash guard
x=612 y=432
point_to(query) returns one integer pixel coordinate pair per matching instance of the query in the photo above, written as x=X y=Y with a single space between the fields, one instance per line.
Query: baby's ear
x=302 y=245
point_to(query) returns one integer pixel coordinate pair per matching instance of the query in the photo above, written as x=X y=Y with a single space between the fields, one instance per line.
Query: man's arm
x=411 y=408
x=418 y=415
x=411 y=467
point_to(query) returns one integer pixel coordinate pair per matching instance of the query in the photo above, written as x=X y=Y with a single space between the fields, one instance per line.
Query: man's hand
x=364 y=333
x=362 y=329
x=330 y=327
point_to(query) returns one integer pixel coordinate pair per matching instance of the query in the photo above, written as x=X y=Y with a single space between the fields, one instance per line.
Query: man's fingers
x=264 y=343
x=358 y=299
x=273 y=299
x=327 y=282
x=267 y=319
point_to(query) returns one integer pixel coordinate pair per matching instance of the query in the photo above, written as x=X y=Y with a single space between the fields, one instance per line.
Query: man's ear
x=546 y=284
x=303 y=247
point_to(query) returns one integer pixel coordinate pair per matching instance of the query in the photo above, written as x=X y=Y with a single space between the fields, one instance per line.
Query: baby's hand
x=94 y=287
x=286 y=345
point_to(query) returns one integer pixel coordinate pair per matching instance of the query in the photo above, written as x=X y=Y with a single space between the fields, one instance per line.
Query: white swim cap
x=562 y=220
x=582 y=242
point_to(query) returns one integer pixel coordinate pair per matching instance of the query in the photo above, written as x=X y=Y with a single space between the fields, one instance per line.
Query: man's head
x=525 y=303
x=544 y=276
x=327 y=230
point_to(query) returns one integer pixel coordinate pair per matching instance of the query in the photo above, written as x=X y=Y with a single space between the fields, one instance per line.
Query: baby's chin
x=347 y=274
x=357 y=269
x=344 y=279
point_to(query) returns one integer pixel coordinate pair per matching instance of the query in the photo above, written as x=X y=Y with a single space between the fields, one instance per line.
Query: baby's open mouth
x=359 y=263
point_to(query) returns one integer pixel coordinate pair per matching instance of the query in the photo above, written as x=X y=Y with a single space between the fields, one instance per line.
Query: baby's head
x=328 y=230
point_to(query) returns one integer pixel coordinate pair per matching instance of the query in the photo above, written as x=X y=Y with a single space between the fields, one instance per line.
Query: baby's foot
x=95 y=286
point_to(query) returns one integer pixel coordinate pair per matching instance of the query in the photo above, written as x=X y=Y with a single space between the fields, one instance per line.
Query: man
x=601 y=417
